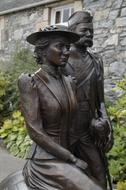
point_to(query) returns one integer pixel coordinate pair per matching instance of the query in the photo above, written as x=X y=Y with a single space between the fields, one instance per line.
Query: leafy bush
x=117 y=112
x=13 y=132
x=121 y=185
x=15 y=135
x=4 y=83
x=22 y=61
x=4 y=103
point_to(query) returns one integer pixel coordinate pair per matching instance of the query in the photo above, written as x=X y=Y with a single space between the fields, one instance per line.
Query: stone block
x=109 y=3
x=18 y=34
x=112 y=40
x=122 y=55
x=101 y=15
x=123 y=42
x=2 y=22
x=41 y=25
x=117 y=4
x=120 y=22
x=123 y=12
x=78 y=5
x=103 y=24
x=113 y=14
x=100 y=31
x=123 y=34
x=117 y=68
x=115 y=30
x=33 y=16
x=106 y=71
x=46 y=14
x=23 y=20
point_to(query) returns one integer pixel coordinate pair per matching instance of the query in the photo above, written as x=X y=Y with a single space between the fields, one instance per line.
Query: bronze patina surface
x=49 y=105
x=91 y=136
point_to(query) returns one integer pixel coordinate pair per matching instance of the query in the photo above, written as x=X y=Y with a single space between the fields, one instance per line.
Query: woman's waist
x=53 y=130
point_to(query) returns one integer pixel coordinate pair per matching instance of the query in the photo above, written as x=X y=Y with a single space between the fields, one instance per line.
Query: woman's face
x=58 y=52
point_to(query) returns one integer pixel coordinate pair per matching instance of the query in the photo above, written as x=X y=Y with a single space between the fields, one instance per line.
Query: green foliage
x=22 y=61
x=121 y=185
x=4 y=83
x=117 y=112
x=15 y=135
x=4 y=103
x=13 y=132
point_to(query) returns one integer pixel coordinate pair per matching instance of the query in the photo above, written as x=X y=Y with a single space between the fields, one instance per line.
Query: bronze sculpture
x=48 y=105
x=92 y=135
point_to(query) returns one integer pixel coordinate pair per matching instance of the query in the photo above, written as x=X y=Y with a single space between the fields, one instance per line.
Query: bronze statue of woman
x=48 y=104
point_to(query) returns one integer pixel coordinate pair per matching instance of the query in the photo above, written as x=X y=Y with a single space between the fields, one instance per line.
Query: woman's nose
x=66 y=51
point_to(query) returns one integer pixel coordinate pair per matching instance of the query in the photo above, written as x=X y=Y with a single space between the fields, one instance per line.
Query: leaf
x=14 y=150
x=16 y=114
x=3 y=135
x=13 y=137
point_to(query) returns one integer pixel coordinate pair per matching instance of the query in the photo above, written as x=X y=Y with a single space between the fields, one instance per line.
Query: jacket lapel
x=43 y=77
x=70 y=91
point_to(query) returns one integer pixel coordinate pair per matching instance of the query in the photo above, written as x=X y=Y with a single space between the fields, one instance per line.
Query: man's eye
x=83 y=30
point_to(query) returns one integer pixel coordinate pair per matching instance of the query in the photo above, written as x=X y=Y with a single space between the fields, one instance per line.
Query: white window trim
x=54 y=10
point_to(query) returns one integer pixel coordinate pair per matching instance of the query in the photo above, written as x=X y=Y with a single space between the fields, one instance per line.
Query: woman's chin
x=63 y=64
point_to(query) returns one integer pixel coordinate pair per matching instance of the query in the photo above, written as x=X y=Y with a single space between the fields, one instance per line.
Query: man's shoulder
x=94 y=54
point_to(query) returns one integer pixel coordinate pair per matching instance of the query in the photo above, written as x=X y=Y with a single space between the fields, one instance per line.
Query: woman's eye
x=59 y=46
x=67 y=47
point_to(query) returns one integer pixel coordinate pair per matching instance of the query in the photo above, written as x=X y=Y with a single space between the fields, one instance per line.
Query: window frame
x=60 y=8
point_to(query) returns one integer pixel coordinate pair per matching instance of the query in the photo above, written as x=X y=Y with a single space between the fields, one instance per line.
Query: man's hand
x=100 y=127
x=109 y=143
x=102 y=134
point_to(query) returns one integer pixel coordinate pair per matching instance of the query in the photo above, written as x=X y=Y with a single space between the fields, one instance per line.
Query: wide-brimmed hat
x=52 y=31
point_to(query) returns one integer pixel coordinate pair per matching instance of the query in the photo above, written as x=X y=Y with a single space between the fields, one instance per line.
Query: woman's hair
x=40 y=50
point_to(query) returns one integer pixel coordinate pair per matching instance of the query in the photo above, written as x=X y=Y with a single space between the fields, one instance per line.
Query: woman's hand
x=79 y=163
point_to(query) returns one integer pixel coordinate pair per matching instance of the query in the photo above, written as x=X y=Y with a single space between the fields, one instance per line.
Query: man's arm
x=103 y=125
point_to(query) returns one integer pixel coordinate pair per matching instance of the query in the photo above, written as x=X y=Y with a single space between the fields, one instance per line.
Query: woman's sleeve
x=30 y=110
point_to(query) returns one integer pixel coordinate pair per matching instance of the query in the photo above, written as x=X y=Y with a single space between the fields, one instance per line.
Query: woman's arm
x=30 y=109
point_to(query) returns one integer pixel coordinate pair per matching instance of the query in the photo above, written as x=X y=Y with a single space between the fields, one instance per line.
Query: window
x=60 y=15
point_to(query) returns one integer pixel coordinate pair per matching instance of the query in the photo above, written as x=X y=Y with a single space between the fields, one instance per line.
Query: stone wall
x=110 y=37
x=17 y=26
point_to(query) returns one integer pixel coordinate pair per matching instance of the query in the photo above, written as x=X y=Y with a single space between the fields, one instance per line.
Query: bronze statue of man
x=91 y=135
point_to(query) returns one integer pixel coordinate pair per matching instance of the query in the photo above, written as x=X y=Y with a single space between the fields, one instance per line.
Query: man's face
x=58 y=52
x=85 y=31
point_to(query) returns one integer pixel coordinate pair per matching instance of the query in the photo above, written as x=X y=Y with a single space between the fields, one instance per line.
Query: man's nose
x=88 y=33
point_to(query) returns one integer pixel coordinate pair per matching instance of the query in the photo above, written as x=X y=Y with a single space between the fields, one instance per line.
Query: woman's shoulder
x=26 y=82
x=24 y=77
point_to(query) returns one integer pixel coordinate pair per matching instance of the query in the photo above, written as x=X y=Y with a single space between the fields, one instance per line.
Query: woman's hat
x=52 y=31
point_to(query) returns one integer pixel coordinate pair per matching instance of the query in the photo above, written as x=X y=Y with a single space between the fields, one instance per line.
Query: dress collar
x=53 y=71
